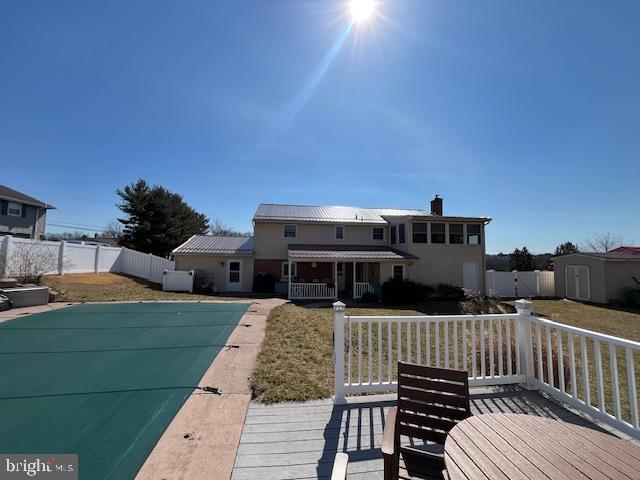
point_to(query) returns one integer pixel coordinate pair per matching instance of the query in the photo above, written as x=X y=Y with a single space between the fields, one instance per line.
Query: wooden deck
x=300 y=440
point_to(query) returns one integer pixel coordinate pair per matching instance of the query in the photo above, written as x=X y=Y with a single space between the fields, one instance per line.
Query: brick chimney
x=436 y=206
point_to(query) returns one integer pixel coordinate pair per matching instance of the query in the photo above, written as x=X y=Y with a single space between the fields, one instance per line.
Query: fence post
x=523 y=308
x=150 y=257
x=96 y=263
x=5 y=253
x=515 y=282
x=537 y=272
x=63 y=246
x=338 y=351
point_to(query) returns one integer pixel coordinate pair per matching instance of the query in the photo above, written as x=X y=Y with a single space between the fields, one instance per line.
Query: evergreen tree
x=566 y=248
x=157 y=220
x=522 y=260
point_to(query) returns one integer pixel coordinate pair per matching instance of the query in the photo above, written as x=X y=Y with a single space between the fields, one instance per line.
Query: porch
x=321 y=272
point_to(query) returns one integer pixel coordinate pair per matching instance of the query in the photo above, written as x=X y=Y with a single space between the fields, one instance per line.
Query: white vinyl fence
x=592 y=372
x=520 y=284
x=63 y=257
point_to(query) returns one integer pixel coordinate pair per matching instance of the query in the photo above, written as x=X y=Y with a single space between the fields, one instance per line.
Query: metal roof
x=627 y=249
x=618 y=256
x=217 y=245
x=352 y=252
x=12 y=195
x=340 y=214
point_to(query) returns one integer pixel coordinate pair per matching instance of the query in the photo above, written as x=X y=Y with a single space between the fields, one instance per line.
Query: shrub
x=264 y=283
x=396 y=291
x=476 y=304
x=446 y=290
x=369 y=297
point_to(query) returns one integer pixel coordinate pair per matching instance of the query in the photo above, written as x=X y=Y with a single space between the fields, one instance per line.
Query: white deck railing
x=360 y=288
x=563 y=361
x=311 y=291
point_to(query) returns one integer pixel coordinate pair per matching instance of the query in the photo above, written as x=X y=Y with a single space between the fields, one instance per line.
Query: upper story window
x=14 y=209
x=290 y=231
x=473 y=234
x=419 y=232
x=438 y=233
x=377 y=233
x=401 y=236
x=456 y=233
x=392 y=234
x=339 y=232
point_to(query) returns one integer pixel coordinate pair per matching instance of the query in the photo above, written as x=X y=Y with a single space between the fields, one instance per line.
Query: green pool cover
x=104 y=380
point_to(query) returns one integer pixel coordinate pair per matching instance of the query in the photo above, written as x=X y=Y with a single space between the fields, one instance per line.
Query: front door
x=234 y=274
x=471 y=276
x=340 y=277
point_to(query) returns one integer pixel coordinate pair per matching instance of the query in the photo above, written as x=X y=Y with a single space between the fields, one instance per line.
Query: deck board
x=300 y=440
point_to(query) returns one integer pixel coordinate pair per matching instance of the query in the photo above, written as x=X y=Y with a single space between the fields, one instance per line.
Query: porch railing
x=564 y=361
x=311 y=291
x=360 y=288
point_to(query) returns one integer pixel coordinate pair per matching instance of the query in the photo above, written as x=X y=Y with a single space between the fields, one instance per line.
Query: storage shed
x=596 y=277
x=226 y=261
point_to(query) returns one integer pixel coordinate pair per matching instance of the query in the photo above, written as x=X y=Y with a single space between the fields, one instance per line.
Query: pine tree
x=522 y=260
x=566 y=248
x=157 y=220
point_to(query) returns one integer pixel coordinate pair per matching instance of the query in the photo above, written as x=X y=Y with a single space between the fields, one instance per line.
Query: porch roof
x=347 y=252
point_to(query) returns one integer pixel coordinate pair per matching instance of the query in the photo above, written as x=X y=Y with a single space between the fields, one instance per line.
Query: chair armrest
x=389 y=433
x=340 y=462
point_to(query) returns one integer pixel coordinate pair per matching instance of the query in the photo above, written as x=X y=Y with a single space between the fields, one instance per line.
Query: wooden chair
x=431 y=401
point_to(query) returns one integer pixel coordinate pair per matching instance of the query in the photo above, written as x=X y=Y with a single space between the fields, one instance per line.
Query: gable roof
x=217 y=245
x=627 y=249
x=270 y=212
x=12 y=195
x=616 y=256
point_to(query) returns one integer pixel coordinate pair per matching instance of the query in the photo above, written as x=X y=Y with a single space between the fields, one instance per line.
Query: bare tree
x=59 y=236
x=217 y=227
x=30 y=261
x=602 y=242
x=113 y=229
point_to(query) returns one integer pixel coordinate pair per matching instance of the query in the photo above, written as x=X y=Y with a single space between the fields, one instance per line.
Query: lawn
x=101 y=287
x=296 y=361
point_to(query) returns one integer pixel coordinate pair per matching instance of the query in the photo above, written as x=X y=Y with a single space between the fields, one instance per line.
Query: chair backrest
x=431 y=401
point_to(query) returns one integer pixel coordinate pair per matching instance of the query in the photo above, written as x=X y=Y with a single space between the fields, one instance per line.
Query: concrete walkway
x=203 y=438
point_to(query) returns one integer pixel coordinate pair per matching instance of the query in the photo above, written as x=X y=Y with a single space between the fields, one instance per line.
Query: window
x=285 y=270
x=401 y=237
x=420 y=232
x=14 y=209
x=398 y=272
x=473 y=234
x=290 y=231
x=437 y=233
x=339 y=232
x=392 y=233
x=377 y=233
x=234 y=272
x=456 y=233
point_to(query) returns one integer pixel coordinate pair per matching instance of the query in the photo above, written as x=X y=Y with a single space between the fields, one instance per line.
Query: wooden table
x=513 y=446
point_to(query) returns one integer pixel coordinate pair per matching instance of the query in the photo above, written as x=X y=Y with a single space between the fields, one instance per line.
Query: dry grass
x=100 y=287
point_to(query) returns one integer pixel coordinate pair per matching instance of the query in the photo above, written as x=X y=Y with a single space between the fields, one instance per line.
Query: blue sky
x=528 y=112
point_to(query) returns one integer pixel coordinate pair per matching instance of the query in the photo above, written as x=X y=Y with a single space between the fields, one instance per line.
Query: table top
x=514 y=446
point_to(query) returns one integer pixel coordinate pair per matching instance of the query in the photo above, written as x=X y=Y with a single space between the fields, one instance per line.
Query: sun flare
x=362 y=10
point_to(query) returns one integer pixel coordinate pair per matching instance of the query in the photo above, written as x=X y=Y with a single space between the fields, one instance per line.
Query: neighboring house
x=597 y=277
x=22 y=215
x=319 y=252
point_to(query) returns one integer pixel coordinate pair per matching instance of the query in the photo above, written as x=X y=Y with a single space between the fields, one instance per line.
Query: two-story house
x=22 y=215
x=321 y=252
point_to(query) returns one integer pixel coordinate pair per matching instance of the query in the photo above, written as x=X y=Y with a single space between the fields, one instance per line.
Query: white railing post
x=61 y=253
x=524 y=341
x=96 y=262
x=338 y=351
